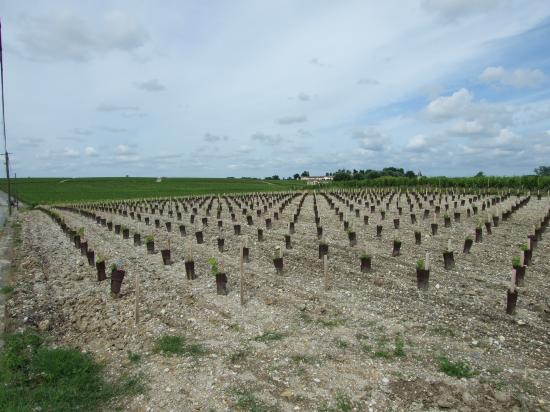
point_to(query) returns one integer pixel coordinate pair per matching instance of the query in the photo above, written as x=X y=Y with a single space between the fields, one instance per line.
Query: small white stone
x=437 y=286
x=168 y=389
x=316 y=380
x=385 y=381
x=167 y=370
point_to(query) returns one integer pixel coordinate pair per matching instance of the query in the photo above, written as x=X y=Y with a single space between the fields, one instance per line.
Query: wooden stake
x=449 y=247
x=242 y=275
x=427 y=261
x=513 y=280
x=136 y=303
x=325 y=272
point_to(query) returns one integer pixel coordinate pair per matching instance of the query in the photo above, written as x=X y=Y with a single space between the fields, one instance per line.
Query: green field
x=34 y=191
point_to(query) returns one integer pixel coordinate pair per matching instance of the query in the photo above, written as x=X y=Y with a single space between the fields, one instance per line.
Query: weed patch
x=342 y=403
x=269 y=336
x=134 y=357
x=7 y=290
x=246 y=400
x=457 y=369
x=176 y=345
x=35 y=377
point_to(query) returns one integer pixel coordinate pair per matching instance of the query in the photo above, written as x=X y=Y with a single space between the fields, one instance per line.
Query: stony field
x=301 y=341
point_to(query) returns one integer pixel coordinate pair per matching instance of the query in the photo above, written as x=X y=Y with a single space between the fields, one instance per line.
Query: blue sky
x=251 y=88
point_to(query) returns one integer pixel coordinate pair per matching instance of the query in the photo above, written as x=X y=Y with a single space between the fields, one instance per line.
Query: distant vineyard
x=491 y=182
x=34 y=191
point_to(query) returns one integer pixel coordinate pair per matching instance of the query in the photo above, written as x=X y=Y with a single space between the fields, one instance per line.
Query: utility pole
x=4 y=124
x=15 y=198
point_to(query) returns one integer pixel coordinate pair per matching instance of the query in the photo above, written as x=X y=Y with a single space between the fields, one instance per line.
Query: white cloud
x=123 y=149
x=291 y=119
x=30 y=141
x=116 y=108
x=370 y=139
x=69 y=152
x=128 y=158
x=152 y=85
x=267 y=138
x=417 y=143
x=505 y=136
x=65 y=36
x=468 y=127
x=114 y=129
x=317 y=62
x=245 y=149
x=82 y=132
x=457 y=9
x=365 y=81
x=211 y=138
x=90 y=151
x=519 y=78
x=450 y=106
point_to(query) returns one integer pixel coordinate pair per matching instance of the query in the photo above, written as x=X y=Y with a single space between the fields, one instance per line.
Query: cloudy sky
x=255 y=88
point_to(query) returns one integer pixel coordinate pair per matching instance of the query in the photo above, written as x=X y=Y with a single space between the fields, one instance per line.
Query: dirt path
x=6 y=245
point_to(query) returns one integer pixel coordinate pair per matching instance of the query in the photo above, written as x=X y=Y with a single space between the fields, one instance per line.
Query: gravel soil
x=302 y=341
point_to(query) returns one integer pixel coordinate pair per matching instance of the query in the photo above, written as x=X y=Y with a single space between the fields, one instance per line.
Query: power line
x=4 y=124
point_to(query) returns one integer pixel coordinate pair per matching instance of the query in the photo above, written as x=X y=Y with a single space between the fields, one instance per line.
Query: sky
x=258 y=88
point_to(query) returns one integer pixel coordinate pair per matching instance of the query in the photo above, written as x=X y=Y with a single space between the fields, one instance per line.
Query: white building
x=316 y=180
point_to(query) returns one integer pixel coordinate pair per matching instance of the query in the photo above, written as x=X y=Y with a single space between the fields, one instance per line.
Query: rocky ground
x=370 y=342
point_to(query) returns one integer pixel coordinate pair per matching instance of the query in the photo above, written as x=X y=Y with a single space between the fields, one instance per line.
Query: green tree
x=342 y=174
x=542 y=171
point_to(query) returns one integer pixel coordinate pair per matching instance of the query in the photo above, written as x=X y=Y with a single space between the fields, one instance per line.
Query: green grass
x=176 y=345
x=268 y=336
x=442 y=331
x=304 y=359
x=7 y=290
x=239 y=355
x=246 y=400
x=342 y=344
x=325 y=322
x=382 y=354
x=35 y=191
x=35 y=377
x=331 y=323
x=134 y=357
x=381 y=350
x=342 y=403
x=457 y=369
x=399 y=350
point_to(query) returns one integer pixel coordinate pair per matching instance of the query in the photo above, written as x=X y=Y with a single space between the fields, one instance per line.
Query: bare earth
x=331 y=350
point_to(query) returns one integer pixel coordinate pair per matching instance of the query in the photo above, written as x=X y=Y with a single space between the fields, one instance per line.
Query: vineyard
x=342 y=299
x=35 y=191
